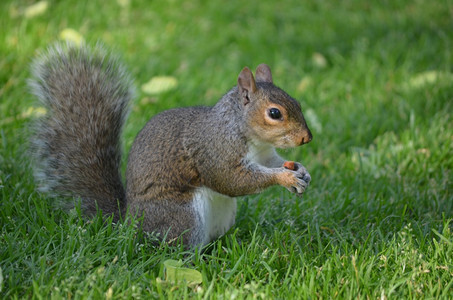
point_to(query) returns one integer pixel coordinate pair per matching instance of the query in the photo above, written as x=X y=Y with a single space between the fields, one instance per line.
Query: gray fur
x=185 y=166
x=76 y=146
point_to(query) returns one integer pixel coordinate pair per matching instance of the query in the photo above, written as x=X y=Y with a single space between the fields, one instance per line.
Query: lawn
x=375 y=81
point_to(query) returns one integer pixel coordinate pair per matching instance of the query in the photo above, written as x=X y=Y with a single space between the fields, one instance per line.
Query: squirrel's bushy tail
x=86 y=93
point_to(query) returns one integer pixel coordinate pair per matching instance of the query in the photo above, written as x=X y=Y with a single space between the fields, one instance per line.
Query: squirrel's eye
x=274 y=113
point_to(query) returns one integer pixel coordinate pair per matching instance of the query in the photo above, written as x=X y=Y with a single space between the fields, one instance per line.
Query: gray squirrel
x=185 y=167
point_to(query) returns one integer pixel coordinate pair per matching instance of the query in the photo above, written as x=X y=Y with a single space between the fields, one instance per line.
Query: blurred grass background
x=375 y=82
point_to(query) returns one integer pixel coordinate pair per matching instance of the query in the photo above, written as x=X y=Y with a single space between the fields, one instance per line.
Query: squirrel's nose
x=306 y=137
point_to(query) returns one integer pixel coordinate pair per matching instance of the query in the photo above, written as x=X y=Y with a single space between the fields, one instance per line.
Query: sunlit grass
x=374 y=80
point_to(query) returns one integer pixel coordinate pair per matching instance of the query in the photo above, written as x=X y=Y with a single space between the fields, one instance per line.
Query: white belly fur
x=216 y=213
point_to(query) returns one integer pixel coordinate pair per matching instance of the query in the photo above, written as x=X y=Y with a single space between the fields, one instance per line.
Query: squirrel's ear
x=263 y=73
x=246 y=85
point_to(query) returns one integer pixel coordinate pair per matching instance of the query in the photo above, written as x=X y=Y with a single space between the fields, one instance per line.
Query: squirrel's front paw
x=299 y=178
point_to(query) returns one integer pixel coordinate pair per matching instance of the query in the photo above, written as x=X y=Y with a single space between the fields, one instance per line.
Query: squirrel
x=185 y=167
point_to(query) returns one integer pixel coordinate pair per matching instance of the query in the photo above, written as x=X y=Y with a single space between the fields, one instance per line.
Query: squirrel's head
x=272 y=115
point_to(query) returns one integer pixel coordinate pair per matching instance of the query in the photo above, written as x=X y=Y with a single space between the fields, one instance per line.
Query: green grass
x=375 y=82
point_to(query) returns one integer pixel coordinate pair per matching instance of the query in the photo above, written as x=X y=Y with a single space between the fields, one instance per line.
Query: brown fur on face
x=290 y=130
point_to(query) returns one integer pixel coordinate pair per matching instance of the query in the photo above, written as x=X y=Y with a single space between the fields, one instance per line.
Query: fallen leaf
x=29 y=112
x=304 y=84
x=71 y=35
x=319 y=60
x=34 y=112
x=109 y=293
x=427 y=78
x=36 y=9
x=174 y=272
x=159 y=84
x=123 y=3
